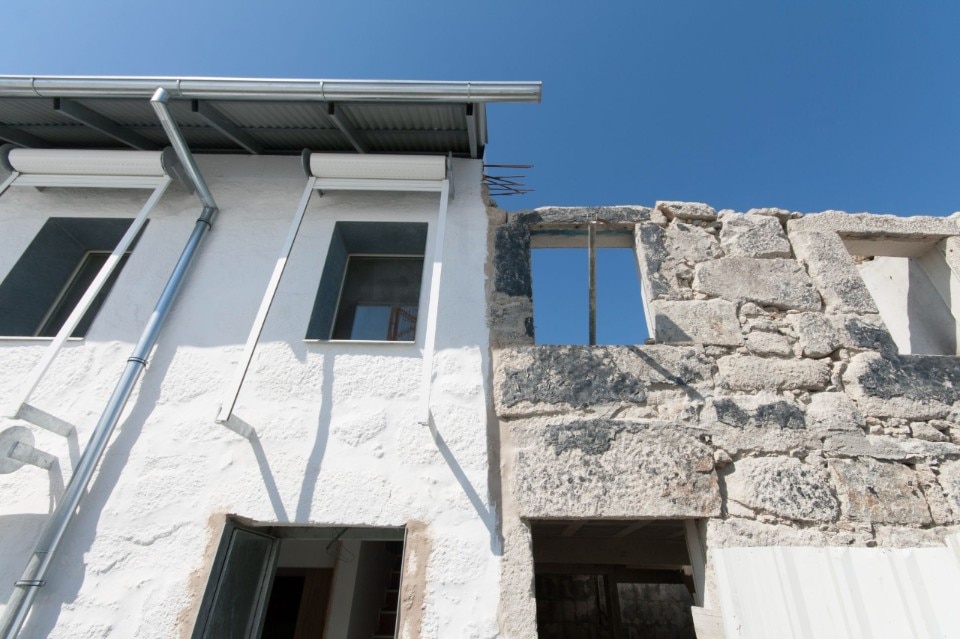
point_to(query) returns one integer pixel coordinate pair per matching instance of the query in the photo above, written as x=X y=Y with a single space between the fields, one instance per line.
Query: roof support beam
x=223 y=124
x=345 y=127
x=472 y=129
x=89 y=117
x=22 y=138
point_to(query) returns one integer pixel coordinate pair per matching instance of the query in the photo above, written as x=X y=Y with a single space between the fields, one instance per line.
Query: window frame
x=343 y=282
x=68 y=289
x=35 y=274
x=590 y=235
x=419 y=224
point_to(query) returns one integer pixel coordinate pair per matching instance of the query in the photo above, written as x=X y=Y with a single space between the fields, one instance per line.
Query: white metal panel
x=801 y=593
x=344 y=184
x=82 y=181
x=379 y=167
x=89 y=162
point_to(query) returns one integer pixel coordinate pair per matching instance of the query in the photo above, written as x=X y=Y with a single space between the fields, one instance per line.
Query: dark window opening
x=371 y=282
x=44 y=286
x=612 y=579
x=379 y=298
x=76 y=286
x=560 y=263
x=282 y=582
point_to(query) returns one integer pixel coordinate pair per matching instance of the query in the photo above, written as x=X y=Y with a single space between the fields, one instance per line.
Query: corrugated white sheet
x=383 y=167
x=822 y=593
x=91 y=162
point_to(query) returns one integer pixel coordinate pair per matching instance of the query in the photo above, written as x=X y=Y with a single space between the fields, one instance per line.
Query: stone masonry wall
x=772 y=401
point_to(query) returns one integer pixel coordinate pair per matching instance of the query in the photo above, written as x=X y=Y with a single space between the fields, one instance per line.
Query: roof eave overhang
x=194 y=88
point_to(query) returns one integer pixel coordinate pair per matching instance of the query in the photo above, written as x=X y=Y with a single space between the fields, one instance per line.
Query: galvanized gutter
x=268 y=89
x=55 y=529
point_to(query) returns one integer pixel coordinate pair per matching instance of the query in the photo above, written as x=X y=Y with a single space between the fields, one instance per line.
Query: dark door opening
x=612 y=580
x=278 y=582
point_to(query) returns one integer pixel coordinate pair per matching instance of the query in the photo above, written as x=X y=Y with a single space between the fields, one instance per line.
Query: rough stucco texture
x=336 y=435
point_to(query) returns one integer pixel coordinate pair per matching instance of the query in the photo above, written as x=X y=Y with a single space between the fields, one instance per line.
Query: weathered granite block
x=816 y=334
x=700 y=322
x=689 y=243
x=511 y=320
x=767 y=343
x=687 y=210
x=769 y=282
x=879 y=492
x=543 y=379
x=733 y=532
x=950 y=482
x=924 y=431
x=660 y=273
x=885 y=447
x=783 y=486
x=781 y=214
x=753 y=236
x=764 y=410
x=580 y=214
x=765 y=422
x=864 y=332
x=606 y=468
x=933 y=493
x=831 y=267
x=907 y=386
x=872 y=225
x=750 y=373
x=512 y=260
x=833 y=412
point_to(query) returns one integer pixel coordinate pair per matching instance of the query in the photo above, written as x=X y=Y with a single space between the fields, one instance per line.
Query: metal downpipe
x=34 y=575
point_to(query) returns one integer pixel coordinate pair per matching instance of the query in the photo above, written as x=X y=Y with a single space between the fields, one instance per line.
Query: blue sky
x=812 y=105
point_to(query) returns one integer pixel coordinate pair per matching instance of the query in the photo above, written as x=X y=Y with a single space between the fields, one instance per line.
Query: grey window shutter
x=236 y=597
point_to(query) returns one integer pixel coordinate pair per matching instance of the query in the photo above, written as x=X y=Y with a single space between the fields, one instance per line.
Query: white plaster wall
x=336 y=435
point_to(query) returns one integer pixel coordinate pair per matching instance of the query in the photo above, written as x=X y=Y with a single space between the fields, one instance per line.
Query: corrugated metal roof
x=820 y=593
x=277 y=126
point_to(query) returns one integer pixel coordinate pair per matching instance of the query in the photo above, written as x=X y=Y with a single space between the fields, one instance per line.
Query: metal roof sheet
x=278 y=116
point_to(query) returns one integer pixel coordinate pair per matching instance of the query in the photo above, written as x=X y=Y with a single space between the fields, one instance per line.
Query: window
x=54 y=272
x=286 y=582
x=563 y=298
x=370 y=287
x=913 y=287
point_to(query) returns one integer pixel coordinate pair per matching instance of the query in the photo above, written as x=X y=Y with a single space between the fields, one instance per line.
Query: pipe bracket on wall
x=16 y=449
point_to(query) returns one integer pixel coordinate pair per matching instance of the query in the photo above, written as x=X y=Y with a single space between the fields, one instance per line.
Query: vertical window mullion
x=592 y=280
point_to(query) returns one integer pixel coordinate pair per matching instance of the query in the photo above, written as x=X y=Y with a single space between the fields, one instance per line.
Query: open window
x=54 y=272
x=371 y=282
x=613 y=579
x=915 y=291
x=286 y=582
x=586 y=285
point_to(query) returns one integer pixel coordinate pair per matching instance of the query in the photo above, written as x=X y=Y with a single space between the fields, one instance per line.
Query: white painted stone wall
x=337 y=439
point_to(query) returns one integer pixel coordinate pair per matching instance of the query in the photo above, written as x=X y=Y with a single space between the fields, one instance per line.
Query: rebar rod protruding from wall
x=34 y=575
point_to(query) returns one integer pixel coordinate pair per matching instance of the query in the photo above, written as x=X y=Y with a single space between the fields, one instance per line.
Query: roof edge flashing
x=213 y=88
